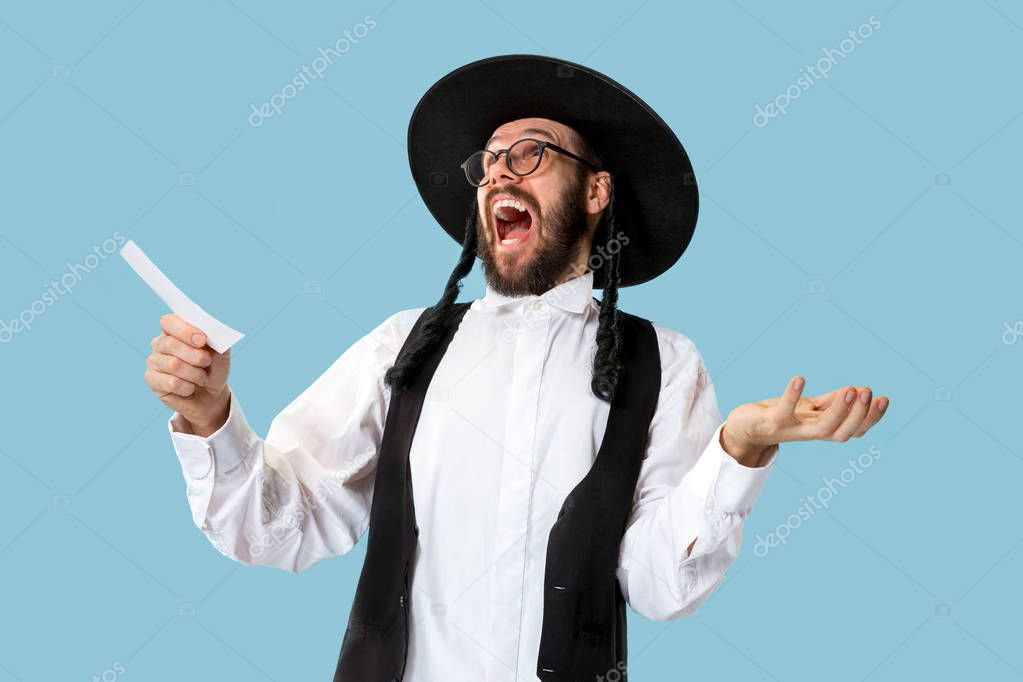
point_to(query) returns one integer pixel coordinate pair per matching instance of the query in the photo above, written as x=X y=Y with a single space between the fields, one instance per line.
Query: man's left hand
x=753 y=431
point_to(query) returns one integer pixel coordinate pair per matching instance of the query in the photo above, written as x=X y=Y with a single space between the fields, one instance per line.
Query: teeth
x=513 y=203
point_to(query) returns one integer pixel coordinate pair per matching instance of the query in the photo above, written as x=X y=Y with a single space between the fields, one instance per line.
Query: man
x=526 y=462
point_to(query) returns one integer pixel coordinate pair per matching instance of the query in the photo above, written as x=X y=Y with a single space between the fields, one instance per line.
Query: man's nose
x=500 y=173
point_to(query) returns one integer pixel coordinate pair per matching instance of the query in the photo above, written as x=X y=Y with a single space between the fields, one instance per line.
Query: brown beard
x=559 y=242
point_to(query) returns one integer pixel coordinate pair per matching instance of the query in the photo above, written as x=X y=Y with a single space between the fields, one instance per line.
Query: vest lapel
x=375 y=644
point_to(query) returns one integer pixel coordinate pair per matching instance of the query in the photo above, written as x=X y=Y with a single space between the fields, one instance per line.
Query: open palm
x=837 y=415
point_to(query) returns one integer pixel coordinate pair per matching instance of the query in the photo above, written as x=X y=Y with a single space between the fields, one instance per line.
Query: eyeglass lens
x=523 y=159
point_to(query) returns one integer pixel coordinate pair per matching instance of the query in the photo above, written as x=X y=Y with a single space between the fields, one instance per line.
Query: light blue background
x=871 y=235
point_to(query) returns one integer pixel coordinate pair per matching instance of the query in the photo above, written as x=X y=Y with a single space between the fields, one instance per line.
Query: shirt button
x=204 y=468
x=538 y=305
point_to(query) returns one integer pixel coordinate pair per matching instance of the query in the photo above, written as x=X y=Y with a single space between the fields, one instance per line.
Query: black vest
x=583 y=633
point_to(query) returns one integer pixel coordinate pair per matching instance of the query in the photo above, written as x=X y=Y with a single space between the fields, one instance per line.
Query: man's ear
x=599 y=194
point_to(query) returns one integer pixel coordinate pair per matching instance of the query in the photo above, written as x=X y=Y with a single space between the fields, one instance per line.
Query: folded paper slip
x=219 y=336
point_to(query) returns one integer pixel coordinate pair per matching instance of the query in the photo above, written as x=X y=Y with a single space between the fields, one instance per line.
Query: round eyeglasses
x=522 y=158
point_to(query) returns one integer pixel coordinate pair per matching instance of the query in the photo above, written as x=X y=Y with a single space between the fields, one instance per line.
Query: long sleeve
x=304 y=492
x=689 y=489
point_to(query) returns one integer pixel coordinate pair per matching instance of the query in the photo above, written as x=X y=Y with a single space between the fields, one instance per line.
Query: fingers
x=168 y=384
x=839 y=415
x=176 y=327
x=176 y=365
x=830 y=419
x=171 y=345
x=787 y=404
x=172 y=364
x=854 y=417
x=877 y=410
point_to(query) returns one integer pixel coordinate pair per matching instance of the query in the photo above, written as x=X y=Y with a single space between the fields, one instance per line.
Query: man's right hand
x=189 y=376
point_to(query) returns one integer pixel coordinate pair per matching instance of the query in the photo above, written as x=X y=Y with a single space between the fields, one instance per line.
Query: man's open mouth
x=512 y=220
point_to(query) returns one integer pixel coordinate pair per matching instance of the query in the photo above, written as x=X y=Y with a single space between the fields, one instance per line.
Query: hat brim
x=656 y=198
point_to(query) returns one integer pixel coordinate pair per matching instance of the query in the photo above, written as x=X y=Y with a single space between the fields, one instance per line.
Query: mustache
x=515 y=192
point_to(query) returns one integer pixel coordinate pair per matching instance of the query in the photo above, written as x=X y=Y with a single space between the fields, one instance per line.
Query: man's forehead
x=529 y=126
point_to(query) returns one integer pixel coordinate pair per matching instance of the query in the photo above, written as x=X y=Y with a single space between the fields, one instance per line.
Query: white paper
x=219 y=336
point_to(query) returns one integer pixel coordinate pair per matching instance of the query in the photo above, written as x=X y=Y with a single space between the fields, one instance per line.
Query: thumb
x=789 y=399
x=219 y=369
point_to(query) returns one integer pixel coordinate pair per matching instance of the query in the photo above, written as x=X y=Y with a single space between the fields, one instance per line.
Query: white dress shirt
x=508 y=428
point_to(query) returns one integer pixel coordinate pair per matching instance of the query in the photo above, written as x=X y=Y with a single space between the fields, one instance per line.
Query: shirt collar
x=573 y=295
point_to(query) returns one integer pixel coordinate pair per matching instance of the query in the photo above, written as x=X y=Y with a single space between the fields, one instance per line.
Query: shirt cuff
x=736 y=486
x=723 y=483
x=220 y=452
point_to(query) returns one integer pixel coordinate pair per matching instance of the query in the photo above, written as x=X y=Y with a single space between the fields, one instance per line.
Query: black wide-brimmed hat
x=656 y=200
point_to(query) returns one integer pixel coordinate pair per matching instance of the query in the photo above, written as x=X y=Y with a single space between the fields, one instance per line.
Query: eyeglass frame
x=542 y=144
